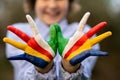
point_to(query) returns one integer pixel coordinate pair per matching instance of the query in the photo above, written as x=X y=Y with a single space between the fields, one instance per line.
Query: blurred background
x=106 y=68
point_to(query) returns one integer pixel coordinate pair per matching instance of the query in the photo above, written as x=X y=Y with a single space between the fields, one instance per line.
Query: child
x=48 y=12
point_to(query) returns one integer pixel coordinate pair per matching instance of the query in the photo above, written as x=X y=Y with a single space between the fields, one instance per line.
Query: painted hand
x=79 y=46
x=36 y=50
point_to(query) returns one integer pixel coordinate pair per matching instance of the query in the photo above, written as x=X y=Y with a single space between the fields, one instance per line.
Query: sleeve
x=24 y=70
x=85 y=71
x=70 y=76
x=32 y=74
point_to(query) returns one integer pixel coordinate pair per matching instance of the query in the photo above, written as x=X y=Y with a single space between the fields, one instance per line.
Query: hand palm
x=72 y=49
x=37 y=51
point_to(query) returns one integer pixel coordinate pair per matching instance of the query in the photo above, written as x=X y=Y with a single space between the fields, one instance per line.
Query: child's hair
x=28 y=5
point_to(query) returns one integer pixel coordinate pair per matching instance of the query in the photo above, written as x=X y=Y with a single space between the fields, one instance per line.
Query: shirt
x=24 y=70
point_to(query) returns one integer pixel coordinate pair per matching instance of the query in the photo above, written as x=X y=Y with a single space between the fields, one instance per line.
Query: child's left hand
x=79 y=46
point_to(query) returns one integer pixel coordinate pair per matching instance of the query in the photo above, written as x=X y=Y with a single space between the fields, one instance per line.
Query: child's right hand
x=37 y=51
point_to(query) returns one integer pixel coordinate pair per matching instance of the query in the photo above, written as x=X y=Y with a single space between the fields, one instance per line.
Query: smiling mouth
x=52 y=14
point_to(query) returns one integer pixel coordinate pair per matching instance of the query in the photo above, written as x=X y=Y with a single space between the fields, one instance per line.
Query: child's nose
x=52 y=4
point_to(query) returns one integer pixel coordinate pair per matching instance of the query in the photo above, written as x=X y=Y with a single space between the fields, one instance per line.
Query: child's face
x=51 y=11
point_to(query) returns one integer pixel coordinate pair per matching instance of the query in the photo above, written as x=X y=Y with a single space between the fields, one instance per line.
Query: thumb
x=18 y=57
x=80 y=57
x=53 y=38
x=53 y=32
x=59 y=32
x=97 y=53
x=62 y=42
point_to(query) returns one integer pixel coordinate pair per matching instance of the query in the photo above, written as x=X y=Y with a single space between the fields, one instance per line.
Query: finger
x=76 y=39
x=33 y=52
x=19 y=33
x=33 y=44
x=88 y=45
x=53 y=32
x=32 y=25
x=62 y=42
x=18 y=57
x=93 y=52
x=59 y=32
x=36 y=34
x=85 y=37
x=83 y=22
x=95 y=29
x=100 y=38
x=79 y=58
x=14 y=43
x=53 y=38
x=44 y=45
x=82 y=56
x=36 y=61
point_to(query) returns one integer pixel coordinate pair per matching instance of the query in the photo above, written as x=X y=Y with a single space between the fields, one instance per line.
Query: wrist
x=46 y=69
x=68 y=67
